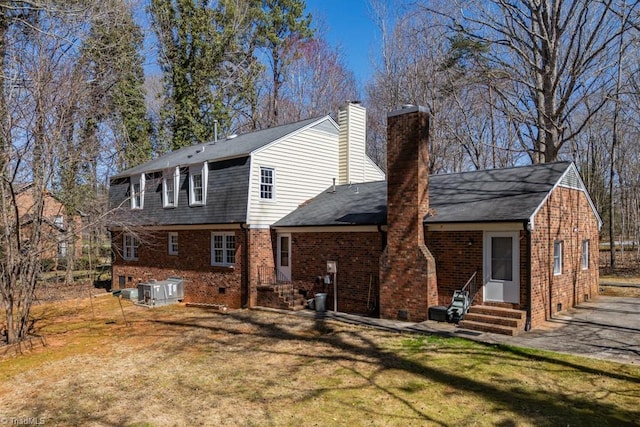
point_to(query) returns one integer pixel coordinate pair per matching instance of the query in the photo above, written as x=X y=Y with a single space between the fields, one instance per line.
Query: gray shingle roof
x=359 y=204
x=240 y=146
x=507 y=195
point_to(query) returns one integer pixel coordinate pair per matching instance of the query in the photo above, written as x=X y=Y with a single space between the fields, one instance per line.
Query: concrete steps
x=498 y=320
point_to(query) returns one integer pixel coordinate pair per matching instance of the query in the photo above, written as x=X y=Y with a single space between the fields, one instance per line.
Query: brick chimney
x=407 y=269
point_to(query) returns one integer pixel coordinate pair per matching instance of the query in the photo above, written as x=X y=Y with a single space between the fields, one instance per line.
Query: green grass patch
x=183 y=366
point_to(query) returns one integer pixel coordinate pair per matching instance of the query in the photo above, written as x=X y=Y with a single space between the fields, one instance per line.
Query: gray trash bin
x=321 y=302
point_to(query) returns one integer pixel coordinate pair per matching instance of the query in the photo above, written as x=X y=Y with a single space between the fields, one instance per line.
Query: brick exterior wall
x=456 y=262
x=567 y=217
x=262 y=252
x=407 y=269
x=51 y=236
x=203 y=283
x=356 y=255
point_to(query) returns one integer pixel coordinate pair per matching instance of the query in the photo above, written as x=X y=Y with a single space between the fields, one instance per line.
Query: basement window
x=557 y=258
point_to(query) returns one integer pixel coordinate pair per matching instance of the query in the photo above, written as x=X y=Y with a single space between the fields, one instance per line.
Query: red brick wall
x=356 y=255
x=203 y=282
x=261 y=257
x=456 y=262
x=407 y=268
x=567 y=217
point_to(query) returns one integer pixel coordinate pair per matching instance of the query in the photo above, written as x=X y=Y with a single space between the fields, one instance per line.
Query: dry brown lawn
x=181 y=366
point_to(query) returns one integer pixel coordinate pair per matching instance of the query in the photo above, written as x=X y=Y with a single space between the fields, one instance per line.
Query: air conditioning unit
x=155 y=293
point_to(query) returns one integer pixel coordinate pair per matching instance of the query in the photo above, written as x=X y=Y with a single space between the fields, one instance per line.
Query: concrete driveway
x=604 y=328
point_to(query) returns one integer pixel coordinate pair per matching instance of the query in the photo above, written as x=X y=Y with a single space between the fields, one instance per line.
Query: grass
x=176 y=365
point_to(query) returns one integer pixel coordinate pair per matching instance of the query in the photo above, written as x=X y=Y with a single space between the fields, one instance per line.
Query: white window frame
x=58 y=221
x=557 y=257
x=137 y=197
x=585 y=254
x=201 y=170
x=171 y=176
x=172 y=242
x=62 y=249
x=130 y=245
x=270 y=186
x=228 y=253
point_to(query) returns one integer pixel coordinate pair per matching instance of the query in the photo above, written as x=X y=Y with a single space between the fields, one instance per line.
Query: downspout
x=244 y=290
x=527 y=325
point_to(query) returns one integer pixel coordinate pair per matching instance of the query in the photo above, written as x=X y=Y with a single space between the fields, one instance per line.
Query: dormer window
x=198 y=185
x=170 y=182
x=137 y=192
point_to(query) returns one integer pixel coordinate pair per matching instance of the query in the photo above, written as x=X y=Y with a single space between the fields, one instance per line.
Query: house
x=205 y=212
x=56 y=240
x=526 y=237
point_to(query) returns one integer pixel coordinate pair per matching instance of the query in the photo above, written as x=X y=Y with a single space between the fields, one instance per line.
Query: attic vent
x=571 y=180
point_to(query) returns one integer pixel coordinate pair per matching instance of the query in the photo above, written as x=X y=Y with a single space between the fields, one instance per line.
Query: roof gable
x=240 y=146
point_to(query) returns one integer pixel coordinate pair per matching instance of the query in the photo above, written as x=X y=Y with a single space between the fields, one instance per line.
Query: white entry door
x=284 y=257
x=502 y=267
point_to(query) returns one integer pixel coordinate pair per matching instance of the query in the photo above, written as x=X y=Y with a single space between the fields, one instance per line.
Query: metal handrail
x=471 y=287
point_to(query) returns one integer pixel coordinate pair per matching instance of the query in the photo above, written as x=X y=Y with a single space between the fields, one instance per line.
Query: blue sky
x=350 y=28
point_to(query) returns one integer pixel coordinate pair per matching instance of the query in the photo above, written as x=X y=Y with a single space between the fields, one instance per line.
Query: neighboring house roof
x=229 y=148
x=496 y=195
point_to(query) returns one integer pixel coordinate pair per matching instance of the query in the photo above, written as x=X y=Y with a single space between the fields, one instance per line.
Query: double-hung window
x=585 y=254
x=137 y=191
x=267 y=183
x=130 y=247
x=170 y=182
x=223 y=249
x=198 y=184
x=173 y=243
x=557 y=257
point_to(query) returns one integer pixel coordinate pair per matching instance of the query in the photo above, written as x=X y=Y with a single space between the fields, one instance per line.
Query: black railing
x=471 y=287
x=271 y=276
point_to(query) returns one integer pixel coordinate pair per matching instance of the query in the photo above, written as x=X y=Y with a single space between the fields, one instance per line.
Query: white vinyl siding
x=352 y=144
x=306 y=164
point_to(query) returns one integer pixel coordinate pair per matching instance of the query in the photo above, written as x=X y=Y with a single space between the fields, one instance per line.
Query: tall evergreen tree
x=281 y=26
x=114 y=62
x=207 y=57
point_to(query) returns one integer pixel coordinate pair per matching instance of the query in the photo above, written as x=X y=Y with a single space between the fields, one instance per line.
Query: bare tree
x=557 y=56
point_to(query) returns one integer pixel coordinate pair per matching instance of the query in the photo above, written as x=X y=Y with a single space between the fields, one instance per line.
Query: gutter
x=244 y=286
x=528 y=228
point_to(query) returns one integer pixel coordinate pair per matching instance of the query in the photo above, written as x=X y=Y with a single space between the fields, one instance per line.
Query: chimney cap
x=406 y=109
